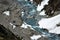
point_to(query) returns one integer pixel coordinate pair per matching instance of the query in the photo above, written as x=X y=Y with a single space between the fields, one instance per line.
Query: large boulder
x=14 y=13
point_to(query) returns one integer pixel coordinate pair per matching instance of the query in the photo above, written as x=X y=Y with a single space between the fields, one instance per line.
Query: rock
x=6 y=34
x=52 y=7
x=14 y=9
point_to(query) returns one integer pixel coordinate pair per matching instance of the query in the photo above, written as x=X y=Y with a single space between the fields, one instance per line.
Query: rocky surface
x=53 y=5
x=6 y=34
x=15 y=9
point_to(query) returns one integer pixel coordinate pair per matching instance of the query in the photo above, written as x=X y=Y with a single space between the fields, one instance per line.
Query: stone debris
x=14 y=12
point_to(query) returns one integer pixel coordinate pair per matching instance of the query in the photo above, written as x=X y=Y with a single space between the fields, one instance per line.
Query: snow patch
x=25 y=25
x=42 y=13
x=31 y=0
x=35 y=37
x=22 y=14
x=6 y=13
x=56 y=30
x=13 y=25
x=43 y=3
x=50 y=24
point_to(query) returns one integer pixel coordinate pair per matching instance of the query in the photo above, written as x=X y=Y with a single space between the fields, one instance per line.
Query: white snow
x=25 y=25
x=35 y=37
x=13 y=25
x=22 y=14
x=43 y=3
x=42 y=13
x=6 y=13
x=31 y=0
x=50 y=24
x=56 y=30
x=41 y=6
x=52 y=12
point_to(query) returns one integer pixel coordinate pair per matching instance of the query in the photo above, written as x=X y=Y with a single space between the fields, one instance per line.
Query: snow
x=43 y=3
x=13 y=25
x=42 y=13
x=52 y=12
x=50 y=24
x=31 y=0
x=40 y=7
x=35 y=37
x=6 y=13
x=25 y=25
x=22 y=14
x=56 y=30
